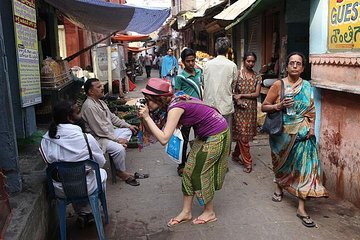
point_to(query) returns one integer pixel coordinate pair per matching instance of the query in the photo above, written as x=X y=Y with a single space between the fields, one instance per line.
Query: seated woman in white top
x=65 y=142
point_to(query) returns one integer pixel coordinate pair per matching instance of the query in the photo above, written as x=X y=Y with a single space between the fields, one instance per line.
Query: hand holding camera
x=140 y=103
x=143 y=110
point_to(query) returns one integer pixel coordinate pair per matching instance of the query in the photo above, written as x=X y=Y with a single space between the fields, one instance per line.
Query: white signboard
x=27 y=51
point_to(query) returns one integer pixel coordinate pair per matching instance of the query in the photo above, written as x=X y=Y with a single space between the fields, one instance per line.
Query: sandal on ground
x=141 y=175
x=198 y=221
x=277 y=197
x=306 y=221
x=173 y=222
x=132 y=181
x=247 y=169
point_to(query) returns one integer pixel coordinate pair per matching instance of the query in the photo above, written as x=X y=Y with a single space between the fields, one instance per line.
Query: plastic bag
x=174 y=147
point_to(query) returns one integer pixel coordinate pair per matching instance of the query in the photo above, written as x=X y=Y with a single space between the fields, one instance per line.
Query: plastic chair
x=72 y=175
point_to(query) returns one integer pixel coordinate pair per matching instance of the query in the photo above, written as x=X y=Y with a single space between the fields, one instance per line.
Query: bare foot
x=123 y=175
x=181 y=218
x=205 y=217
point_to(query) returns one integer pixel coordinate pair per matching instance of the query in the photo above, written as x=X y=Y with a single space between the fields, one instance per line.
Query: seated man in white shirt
x=65 y=142
x=101 y=123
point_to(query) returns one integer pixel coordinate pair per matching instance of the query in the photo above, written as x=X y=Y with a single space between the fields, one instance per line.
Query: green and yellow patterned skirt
x=206 y=167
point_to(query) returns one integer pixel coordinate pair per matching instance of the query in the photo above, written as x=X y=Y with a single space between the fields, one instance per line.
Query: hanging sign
x=27 y=51
x=343 y=26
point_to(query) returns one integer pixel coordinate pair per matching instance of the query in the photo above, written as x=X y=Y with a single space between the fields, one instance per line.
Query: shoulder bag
x=273 y=124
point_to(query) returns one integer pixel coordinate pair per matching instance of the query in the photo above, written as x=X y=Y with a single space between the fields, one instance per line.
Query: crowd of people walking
x=220 y=104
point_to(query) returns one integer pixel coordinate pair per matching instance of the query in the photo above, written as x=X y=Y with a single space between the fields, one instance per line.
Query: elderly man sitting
x=100 y=123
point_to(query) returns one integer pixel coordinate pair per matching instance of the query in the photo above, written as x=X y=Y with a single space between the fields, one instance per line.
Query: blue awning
x=104 y=17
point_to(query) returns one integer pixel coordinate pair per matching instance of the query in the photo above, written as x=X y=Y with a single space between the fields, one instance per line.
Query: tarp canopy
x=104 y=17
x=136 y=49
x=234 y=10
x=201 y=12
x=256 y=8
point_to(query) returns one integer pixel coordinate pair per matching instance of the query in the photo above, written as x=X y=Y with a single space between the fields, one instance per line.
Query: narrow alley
x=243 y=207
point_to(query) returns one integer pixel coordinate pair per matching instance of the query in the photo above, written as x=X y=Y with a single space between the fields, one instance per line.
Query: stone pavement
x=243 y=207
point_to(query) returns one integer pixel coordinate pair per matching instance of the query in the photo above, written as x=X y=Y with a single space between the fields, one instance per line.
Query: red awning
x=135 y=49
x=128 y=38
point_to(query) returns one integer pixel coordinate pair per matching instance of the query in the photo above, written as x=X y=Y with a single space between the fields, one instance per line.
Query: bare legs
x=208 y=212
x=301 y=208
x=186 y=211
x=123 y=175
x=300 y=212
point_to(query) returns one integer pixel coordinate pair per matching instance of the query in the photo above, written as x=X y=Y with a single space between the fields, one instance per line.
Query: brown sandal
x=132 y=181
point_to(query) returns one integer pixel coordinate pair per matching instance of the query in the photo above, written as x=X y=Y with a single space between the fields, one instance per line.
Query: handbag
x=174 y=147
x=273 y=124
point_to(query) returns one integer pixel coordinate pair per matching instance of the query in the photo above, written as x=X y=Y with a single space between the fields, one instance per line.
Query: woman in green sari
x=294 y=153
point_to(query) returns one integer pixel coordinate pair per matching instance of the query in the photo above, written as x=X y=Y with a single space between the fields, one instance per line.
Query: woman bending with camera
x=206 y=165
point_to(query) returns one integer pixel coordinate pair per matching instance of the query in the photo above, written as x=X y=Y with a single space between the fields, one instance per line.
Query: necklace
x=245 y=75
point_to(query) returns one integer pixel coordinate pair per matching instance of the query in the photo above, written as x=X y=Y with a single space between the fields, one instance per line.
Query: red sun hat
x=157 y=87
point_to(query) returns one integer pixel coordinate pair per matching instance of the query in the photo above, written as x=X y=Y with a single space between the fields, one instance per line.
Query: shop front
x=335 y=73
x=271 y=30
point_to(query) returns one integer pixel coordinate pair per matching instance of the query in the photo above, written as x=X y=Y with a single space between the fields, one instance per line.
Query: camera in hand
x=140 y=102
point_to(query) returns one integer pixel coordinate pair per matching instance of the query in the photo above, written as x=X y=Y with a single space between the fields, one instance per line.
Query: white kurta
x=100 y=121
x=219 y=74
x=70 y=146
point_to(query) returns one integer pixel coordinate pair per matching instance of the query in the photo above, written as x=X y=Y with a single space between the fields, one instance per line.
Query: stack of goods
x=54 y=74
x=202 y=58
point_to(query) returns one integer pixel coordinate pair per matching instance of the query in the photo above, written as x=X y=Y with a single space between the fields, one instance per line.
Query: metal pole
x=109 y=70
x=95 y=62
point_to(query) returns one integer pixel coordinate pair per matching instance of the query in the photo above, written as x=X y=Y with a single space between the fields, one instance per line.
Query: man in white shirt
x=219 y=75
x=65 y=142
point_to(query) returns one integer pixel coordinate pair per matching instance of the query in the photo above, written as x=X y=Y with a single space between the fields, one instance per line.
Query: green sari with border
x=294 y=157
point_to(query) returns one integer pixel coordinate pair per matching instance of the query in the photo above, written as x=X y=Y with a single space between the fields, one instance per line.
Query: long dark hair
x=61 y=113
x=162 y=101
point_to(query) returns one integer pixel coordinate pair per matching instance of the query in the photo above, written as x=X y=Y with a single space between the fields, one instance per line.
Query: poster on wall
x=27 y=51
x=117 y=62
x=343 y=25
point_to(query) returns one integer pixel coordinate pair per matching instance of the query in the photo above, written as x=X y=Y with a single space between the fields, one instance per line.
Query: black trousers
x=185 y=131
x=148 y=71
